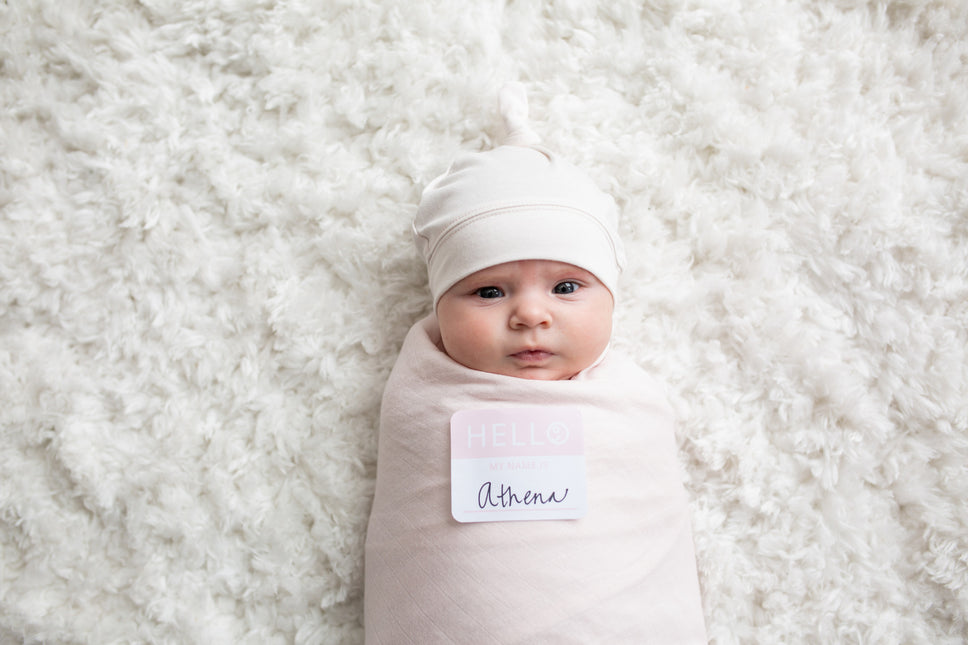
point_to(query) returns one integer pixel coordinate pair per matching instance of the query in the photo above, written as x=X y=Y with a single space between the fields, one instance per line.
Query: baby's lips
x=532 y=355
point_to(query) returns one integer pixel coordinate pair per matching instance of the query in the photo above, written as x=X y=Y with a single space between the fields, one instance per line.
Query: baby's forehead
x=539 y=268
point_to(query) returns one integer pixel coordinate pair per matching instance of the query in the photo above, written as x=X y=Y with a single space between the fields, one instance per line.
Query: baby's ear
x=513 y=105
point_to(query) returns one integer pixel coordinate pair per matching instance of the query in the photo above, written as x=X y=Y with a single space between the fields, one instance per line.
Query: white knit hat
x=515 y=202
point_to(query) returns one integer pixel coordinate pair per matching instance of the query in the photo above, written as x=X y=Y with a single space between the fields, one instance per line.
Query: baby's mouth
x=532 y=355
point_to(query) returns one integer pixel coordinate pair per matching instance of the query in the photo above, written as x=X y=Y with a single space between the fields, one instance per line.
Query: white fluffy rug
x=206 y=273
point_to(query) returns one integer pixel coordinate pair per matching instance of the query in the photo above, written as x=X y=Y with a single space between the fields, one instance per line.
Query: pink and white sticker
x=518 y=464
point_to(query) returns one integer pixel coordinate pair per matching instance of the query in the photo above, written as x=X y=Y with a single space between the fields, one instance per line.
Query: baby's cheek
x=462 y=344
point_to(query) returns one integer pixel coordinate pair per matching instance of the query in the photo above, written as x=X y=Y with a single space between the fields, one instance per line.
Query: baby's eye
x=489 y=292
x=566 y=287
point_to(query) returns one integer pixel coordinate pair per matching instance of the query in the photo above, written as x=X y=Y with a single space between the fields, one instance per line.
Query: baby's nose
x=530 y=312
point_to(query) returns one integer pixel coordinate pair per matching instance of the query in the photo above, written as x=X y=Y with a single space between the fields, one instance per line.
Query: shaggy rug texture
x=206 y=273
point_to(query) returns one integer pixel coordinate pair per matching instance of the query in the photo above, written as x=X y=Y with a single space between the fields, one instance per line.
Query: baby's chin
x=534 y=373
x=535 y=376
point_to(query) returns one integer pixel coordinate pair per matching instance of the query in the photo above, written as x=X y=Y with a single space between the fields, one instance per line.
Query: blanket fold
x=623 y=573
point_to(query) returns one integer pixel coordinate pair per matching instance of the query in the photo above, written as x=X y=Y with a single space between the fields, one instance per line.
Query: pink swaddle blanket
x=624 y=573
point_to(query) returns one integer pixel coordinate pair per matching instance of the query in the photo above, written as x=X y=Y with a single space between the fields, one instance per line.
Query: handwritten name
x=507 y=497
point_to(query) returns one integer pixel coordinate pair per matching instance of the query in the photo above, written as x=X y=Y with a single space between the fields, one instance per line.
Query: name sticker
x=517 y=464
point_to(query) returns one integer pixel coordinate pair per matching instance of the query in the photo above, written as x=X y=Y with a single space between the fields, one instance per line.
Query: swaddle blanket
x=623 y=573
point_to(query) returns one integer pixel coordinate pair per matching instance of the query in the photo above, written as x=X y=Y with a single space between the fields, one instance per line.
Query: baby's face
x=533 y=319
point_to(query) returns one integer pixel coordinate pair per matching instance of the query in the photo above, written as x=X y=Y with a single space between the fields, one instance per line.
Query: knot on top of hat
x=513 y=105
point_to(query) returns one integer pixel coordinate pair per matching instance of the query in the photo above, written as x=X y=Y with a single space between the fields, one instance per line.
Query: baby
x=577 y=531
x=533 y=319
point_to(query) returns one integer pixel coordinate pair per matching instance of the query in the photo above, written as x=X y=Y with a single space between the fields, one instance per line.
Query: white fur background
x=206 y=273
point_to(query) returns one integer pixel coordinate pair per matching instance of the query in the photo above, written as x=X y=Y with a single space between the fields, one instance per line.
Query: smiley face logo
x=557 y=433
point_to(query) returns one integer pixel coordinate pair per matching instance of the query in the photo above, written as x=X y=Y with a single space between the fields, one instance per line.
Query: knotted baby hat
x=515 y=202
